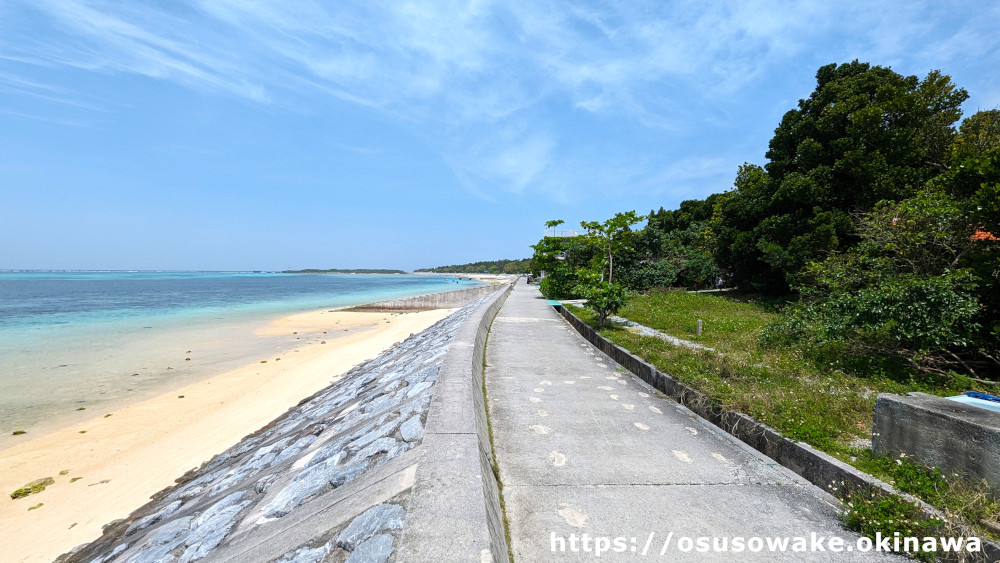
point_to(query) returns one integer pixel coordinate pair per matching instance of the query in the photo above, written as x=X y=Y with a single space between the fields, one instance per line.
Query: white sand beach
x=109 y=465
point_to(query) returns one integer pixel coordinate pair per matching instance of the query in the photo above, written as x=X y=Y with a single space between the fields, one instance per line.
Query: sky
x=263 y=135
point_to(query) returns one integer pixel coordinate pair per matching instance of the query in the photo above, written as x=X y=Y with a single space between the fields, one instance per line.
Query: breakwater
x=332 y=477
x=446 y=300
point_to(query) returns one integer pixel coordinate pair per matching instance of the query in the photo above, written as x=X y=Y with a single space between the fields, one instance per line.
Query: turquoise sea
x=85 y=340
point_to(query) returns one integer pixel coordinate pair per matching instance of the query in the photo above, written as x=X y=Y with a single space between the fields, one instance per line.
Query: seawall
x=363 y=469
x=446 y=300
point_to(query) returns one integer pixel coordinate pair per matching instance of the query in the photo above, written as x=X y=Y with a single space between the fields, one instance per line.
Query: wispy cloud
x=468 y=76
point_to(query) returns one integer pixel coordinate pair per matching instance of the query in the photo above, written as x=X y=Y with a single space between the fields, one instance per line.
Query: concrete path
x=591 y=458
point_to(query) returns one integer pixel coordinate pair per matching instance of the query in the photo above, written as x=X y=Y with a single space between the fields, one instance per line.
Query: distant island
x=504 y=266
x=342 y=271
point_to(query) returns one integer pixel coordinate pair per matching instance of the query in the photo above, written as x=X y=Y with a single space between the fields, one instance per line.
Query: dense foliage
x=866 y=134
x=873 y=209
x=503 y=266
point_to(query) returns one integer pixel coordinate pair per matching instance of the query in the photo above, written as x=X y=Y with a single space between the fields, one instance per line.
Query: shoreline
x=59 y=374
x=107 y=466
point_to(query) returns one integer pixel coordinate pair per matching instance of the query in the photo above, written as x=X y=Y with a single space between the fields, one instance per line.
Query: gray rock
x=212 y=526
x=346 y=474
x=293 y=450
x=259 y=460
x=307 y=483
x=264 y=483
x=190 y=493
x=380 y=446
x=383 y=403
x=424 y=374
x=412 y=429
x=418 y=388
x=197 y=486
x=147 y=521
x=381 y=432
x=310 y=482
x=415 y=406
x=306 y=555
x=372 y=521
x=159 y=545
x=326 y=452
x=376 y=550
x=394 y=451
x=114 y=552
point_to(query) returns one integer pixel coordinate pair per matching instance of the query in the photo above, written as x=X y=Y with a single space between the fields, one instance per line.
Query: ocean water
x=87 y=340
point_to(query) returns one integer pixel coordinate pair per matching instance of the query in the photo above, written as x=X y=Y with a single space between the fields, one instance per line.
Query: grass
x=823 y=397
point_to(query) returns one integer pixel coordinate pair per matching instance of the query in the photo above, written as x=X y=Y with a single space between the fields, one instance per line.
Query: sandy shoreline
x=113 y=464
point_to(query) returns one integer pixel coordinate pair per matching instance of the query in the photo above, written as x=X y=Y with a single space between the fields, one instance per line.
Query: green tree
x=603 y=297
x=903 y=291
x=560 y=259
x=675 y=247
x=864 y=135
x=612 y=236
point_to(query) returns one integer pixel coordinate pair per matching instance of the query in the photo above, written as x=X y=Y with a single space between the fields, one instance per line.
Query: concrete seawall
x=455 y=513
x=445 y=300
x=390 y=454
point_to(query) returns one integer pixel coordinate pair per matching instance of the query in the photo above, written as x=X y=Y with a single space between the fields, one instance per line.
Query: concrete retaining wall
x=815 y=466
x=956 y=437
x=455 y=512
x=444 y=300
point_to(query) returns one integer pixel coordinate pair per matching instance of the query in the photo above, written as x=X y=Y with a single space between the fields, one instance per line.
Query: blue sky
x=237 y=134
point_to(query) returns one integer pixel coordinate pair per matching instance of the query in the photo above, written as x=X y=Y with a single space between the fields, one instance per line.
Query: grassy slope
x=816 y=396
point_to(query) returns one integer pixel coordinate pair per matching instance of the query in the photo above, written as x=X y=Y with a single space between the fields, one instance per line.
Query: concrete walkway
x=585 y=448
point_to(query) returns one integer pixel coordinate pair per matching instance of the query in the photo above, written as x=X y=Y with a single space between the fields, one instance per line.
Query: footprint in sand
x=613 y=397
x=643 y=395
x=605 y=388
x=569 y=382
x=720 y=457
x=557 y=459
x=641 y=426
x=628 y=407
x=545 y=382
x=691 y=430
x=654 y=409
x=542 y=412
x=538 y=390
x=682 y=455
x=534 y=399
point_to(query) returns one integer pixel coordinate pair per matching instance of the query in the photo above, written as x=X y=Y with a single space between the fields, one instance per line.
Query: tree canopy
x=864 y=135
x=502 y=266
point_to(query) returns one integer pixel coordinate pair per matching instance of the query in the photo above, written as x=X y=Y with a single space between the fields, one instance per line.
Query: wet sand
x=110 y=464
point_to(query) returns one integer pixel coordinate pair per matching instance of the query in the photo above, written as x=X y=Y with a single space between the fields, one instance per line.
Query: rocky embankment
x=328 y=481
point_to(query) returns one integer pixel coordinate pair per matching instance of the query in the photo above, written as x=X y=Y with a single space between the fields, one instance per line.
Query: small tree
x=611 y=236
x=604 y=298
x=560 y=258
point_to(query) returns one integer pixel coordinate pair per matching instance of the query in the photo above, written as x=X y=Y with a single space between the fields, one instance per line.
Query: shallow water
x=94 y=340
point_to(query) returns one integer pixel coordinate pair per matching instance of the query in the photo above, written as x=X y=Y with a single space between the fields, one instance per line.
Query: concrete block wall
x=956 y=437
